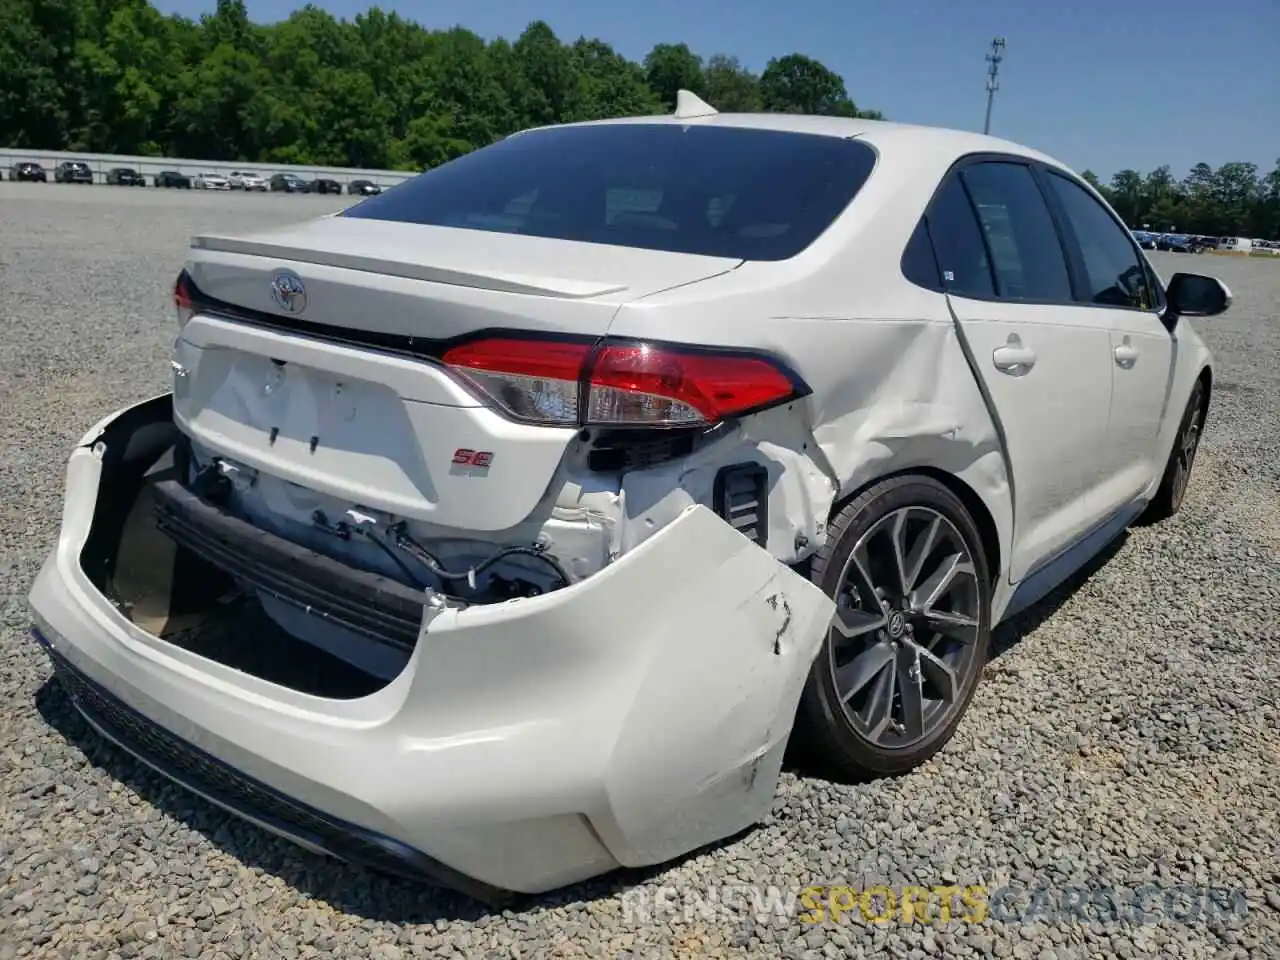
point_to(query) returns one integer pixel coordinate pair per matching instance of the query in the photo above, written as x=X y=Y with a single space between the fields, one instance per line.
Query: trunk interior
x=174 y=594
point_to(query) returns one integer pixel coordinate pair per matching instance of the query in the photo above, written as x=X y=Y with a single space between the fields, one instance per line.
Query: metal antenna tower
x=993 y=71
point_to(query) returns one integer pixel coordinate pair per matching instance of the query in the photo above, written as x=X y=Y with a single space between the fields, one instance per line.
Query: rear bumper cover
x=624 y=720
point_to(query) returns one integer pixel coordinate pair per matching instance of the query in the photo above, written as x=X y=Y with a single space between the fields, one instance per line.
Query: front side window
x=1027 y=257
x=733 y=192
x=1116 y=275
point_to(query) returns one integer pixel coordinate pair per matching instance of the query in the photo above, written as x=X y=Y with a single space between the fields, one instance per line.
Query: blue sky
x=1099 y=84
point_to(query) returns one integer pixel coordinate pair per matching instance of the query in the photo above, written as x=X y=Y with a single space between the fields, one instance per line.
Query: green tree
x=1126 y=195
x=671 y=67
x=609 y=85
x=547 y=91
x=379 y=90
x=730 y=87
x=38 y=71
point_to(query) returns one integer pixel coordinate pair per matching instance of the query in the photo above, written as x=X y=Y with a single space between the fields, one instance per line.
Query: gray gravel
x=1127 y=734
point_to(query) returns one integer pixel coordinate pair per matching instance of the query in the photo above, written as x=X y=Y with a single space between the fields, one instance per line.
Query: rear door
x=1119 y=286
x=1045 y=365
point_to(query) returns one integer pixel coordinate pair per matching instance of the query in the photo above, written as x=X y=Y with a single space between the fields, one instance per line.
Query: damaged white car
x=579 y=475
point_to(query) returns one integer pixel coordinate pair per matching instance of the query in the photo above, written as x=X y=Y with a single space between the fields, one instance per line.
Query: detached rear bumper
x=624 y=720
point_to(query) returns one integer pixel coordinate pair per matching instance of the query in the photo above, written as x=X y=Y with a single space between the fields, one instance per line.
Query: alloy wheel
x=1185 y=453
x=908 y=612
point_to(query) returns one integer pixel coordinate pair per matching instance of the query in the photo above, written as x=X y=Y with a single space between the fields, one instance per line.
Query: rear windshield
x=717 y=191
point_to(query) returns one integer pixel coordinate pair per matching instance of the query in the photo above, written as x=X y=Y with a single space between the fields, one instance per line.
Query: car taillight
x=621 y=383
x=536 y=381
x=184 y=298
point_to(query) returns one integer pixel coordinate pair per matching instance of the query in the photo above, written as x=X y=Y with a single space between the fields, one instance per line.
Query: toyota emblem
x=288 y=292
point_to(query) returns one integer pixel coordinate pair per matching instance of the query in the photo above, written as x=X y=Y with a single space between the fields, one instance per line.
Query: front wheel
x=1177 y=471
x=905 y=565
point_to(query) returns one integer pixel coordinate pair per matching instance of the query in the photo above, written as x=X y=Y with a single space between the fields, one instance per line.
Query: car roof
x=877 y=133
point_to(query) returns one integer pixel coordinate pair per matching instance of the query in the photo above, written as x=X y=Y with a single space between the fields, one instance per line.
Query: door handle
x=1013 y=358
x=1126 y=355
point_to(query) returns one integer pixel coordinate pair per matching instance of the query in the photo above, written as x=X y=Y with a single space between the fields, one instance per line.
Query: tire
x=1177 y=470
x=826 y=733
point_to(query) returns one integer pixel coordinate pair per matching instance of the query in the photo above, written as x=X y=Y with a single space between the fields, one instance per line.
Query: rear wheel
x=905 y=565
x=1177 y=471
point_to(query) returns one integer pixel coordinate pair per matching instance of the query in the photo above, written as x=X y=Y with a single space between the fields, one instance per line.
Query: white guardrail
x=100 y=163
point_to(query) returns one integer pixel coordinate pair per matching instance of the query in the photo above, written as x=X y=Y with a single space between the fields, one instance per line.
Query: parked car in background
x=211 y=181
x=72 y=171
x=559 y=474
x=172 y=178
x=125 y=177
x=289 y=183
x=1146 y=240
x=324 y=185
x=364 y=188
x=28 y=172
x=246 y=180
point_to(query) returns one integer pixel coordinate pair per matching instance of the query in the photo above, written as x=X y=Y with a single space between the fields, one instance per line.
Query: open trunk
x=177 y=593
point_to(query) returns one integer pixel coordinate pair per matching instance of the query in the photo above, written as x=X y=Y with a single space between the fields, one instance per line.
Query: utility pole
x=993 y=58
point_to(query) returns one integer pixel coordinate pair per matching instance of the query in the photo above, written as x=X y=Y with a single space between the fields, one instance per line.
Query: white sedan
x=211 y=181
x=244 y=180
x=585 y=471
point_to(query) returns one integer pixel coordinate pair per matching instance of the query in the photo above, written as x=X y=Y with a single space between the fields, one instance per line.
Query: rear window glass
x=716 y=191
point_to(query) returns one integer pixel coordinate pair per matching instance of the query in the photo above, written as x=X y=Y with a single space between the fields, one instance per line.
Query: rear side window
x=1021 y=239
x=1115 y=273
x=716 y=191
x=957 y=239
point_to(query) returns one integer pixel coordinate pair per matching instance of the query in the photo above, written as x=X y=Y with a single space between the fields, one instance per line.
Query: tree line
x=380 y=91
x=1232 y=201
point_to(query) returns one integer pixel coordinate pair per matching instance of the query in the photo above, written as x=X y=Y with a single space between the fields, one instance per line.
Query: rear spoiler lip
x=499 y=282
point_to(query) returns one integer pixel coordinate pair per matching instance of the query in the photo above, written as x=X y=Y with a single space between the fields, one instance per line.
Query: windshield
x=719 y=191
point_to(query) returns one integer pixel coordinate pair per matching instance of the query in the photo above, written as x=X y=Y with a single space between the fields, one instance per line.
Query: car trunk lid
x=343 y=396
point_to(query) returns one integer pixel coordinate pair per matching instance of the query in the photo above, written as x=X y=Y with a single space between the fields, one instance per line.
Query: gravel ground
x=1127 y=733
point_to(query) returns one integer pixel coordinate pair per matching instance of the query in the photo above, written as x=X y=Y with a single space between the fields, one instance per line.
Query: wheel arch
x=983 y=519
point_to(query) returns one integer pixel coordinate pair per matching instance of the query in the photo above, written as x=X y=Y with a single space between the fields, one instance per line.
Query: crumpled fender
x=915 y=404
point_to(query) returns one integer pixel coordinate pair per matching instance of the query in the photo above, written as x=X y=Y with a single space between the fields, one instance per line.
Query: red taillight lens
x=532 y=380
x=627 y=384
x=184 y=298
x=643 y=385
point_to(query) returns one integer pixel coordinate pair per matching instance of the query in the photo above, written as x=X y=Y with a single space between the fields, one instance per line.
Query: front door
x=1118 y=285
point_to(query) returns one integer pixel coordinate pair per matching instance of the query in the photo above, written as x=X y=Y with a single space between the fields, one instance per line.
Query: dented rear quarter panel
x=890 y=386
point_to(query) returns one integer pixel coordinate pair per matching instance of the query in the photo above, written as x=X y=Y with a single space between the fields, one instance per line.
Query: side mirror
x=1193 y=295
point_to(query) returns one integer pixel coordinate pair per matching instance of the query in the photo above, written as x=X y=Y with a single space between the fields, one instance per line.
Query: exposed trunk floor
x=243 y=637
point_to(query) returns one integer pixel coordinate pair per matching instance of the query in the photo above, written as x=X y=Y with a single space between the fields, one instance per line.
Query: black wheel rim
x=1185 y=452
x=908 y=611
